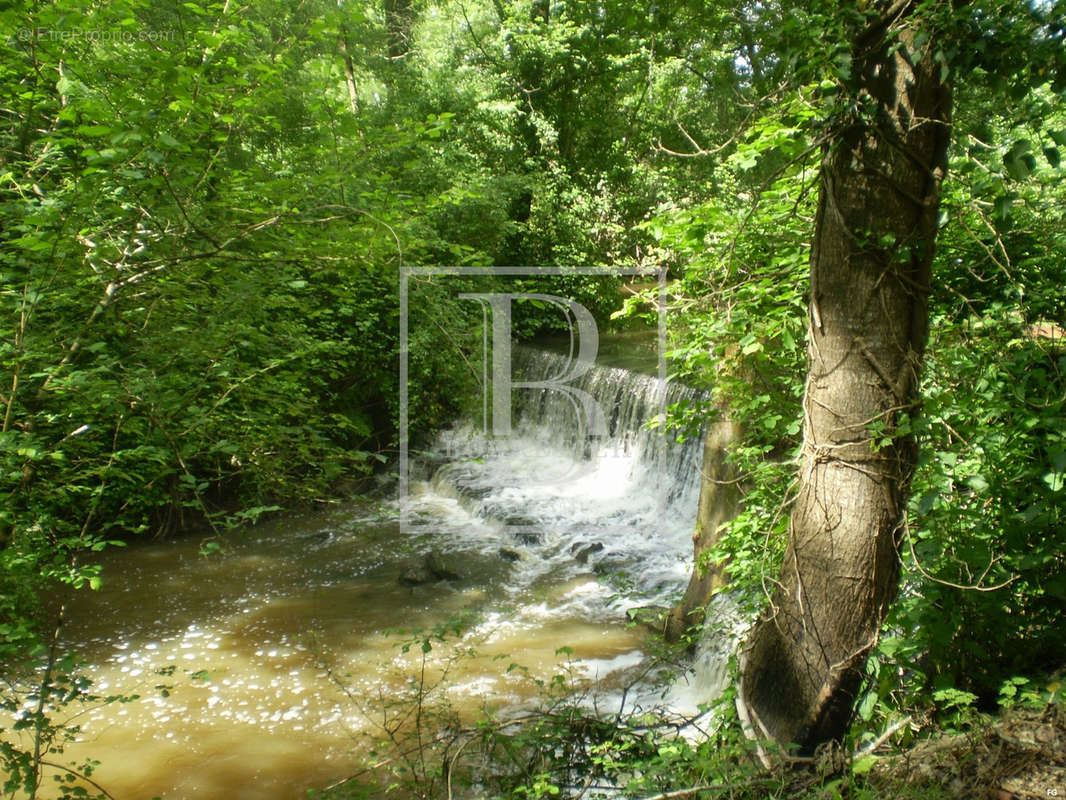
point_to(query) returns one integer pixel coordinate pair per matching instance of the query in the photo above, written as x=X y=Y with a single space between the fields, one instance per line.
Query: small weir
x=263 y=669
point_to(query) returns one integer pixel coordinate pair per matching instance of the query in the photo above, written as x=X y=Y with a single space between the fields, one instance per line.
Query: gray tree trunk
x=802 y=667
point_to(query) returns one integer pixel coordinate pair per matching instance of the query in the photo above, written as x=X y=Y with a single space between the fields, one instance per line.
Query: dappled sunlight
x=281 y=680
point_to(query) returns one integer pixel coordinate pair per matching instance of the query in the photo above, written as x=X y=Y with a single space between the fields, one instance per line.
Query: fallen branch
x=710 y=787
x=880 y=740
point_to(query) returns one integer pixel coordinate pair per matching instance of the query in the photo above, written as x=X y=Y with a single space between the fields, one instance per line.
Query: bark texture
x=719 y=502
x=870 y=271
x=399 y=17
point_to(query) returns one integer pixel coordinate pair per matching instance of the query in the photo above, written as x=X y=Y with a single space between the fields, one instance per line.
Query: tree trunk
x=398 y=22
x=802 y=667
x=719 y=503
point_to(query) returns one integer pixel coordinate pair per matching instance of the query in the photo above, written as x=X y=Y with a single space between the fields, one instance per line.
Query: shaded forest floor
x=1019 y=755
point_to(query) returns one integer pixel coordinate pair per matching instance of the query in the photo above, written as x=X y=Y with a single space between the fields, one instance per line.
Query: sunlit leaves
x=986 y=508
x=199 y=273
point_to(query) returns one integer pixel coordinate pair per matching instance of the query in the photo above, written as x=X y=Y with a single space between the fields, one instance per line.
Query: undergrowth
x=576 y=740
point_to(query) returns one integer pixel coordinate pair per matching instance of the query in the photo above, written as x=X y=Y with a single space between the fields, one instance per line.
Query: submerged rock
x=519 y=521
x=611 y=565
x=582 y=552
x=434 y=567
x=443 y=567
x=416 y=576
x=528 y=537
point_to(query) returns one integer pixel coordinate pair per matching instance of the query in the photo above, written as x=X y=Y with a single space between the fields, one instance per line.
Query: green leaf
x=1054 y=480
x=92 y=130
x=863 y=765
x=947 y=458
x=951 y=697
x=1018 y=161
x=211 y=547
x=867 y=706
x=1003 y=205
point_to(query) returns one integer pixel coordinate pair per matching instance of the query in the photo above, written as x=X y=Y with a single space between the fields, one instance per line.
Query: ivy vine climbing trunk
x=883 y=164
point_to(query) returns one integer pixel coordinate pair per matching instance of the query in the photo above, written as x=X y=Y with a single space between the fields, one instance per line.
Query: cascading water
x=558 y=501
x=549 y=536
x=561 y=503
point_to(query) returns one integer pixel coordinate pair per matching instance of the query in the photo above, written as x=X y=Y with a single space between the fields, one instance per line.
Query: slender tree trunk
x=870 y=271
x=349 y=71
x=398 y=22
x=719 y=502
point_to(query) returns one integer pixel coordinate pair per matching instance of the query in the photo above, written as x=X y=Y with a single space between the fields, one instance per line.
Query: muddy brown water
x=266 y=669
x=263 y=669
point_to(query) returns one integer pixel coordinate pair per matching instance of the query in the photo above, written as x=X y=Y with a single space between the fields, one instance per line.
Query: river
x=269 y=668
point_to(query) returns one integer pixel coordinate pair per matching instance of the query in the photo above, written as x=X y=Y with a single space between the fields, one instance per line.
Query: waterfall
x=535 y=541
x=618 y=509
x=558 y=501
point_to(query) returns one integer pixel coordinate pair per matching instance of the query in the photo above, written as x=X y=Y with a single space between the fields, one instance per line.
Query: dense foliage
x=982 y=595
x=200 y=261
x=204 y=208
